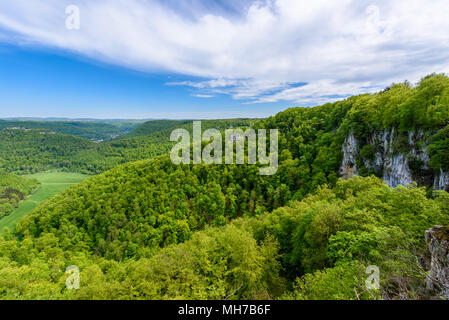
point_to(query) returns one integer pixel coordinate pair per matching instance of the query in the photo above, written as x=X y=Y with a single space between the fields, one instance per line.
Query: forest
x=95 y=130
x=24 y=150
x=14 y=189
x=149 y=229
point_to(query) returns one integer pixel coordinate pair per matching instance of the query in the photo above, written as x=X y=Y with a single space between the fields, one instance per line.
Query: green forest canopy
x=153 y=230
x=14 y=189
x=316 y=248
x=31 y=151
x=87 y=129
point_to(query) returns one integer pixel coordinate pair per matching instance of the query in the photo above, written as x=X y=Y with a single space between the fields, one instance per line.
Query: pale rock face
x=421 y=153
x=438 y=277
x=350 y=152
x=394 y=168
x=441 y=181
x=397 y=171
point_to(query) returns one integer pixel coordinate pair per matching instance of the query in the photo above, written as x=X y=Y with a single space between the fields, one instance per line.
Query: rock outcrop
x=437 y=240
x=392 y=165
x=350 y=151
x=441 y=181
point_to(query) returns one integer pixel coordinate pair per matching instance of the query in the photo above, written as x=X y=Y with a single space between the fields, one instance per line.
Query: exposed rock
x=441 y=181
x=394 y=167
x=397 y=171
x=437 y=240
x=383 y=140
x=350 y=153
x=414 y=139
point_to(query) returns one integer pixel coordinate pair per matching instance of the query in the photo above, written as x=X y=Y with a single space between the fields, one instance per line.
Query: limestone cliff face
x=392 y=165
x=437 y=240
x=350 y=153
x=441 y=181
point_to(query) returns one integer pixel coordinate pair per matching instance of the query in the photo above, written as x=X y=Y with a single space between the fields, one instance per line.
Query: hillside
x=29 y=151
x=399 y=134
x=95 y=130
x=14 y=189
x=314 y=249
x=152 y=203
x=34 y=151
x=153 y=126
x=151 y=229
x=50 y=183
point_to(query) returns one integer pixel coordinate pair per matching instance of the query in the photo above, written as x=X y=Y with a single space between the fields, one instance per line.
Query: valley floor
x=51 y=184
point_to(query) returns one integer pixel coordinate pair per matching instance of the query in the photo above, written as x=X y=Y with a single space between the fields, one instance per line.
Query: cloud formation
x=306 y=52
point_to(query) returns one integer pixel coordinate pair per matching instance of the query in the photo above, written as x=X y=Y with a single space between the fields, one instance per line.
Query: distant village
x=26 y=129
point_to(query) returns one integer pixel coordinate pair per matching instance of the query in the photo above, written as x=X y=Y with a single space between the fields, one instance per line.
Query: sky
x=183 y=59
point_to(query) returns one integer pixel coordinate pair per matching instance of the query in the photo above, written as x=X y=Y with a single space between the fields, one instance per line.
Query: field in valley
x=51 y=184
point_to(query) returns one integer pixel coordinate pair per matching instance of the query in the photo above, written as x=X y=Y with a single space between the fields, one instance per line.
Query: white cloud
x=203 y=96
x=338 y=48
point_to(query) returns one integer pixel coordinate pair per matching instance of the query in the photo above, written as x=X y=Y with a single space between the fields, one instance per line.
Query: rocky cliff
x=400 y=159
x=437 y=240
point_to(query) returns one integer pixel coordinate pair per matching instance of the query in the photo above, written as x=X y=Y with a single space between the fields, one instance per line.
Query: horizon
x=112 y=119
x=198 y=59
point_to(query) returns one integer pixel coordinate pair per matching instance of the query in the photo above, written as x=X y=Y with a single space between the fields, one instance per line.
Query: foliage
x=343 y=282
x=331 y=235
x=166 y=126
x=92 y=130
x=154 y=230
x=439 y=149
x=360 y=220
x=151 y=203
x=31 y=151
x=13 y=189
x=220 y=263
x=50 y=183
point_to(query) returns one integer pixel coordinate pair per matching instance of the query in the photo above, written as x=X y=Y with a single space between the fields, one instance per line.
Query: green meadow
x=51 y=184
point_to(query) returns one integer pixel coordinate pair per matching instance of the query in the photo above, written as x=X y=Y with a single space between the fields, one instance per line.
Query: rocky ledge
x=437 y=240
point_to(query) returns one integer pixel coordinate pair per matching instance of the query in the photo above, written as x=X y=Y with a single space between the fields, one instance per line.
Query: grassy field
x=51 y=184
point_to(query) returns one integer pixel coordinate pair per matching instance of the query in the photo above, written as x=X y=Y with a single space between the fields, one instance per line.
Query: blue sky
x=210 y=59
x=49 y=83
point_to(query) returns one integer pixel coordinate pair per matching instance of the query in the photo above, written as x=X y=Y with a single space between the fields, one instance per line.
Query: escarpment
x=437 y=240
x=398 y=158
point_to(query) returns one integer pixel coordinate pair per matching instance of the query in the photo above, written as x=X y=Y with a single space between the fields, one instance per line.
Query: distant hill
x=95 y=130
x=34 y=150
x=72 y=119
x=153 y=126
x=25 y=151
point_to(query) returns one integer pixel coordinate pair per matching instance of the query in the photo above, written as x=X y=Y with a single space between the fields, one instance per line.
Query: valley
x=51 y=183
x=94 y=130
x=223 y=158
x=27 y=151
x=359 y=183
